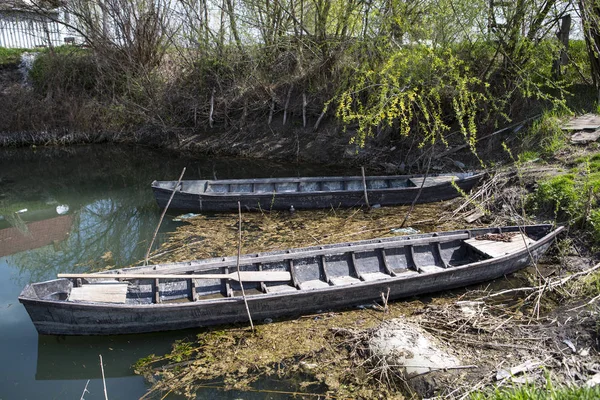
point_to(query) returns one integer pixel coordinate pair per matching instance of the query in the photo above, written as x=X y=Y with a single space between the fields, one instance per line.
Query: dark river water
x=74 y=210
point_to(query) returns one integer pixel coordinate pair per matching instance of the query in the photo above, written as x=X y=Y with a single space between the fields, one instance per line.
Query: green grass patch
x=572 y=198
x=528 y=156
x=545 y=137
x=530 y=392
x=558 y=195
x=10 y=56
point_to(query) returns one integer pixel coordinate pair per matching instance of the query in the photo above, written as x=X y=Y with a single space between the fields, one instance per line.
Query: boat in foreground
x=289 y=282
x=309 y=193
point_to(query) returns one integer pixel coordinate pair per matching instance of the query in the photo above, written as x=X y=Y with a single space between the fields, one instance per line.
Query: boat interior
x=310 y=268
x=306 y=185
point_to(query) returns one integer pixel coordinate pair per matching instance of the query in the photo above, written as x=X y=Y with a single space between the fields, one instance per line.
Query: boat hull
x=70 y=318
x=226 y=202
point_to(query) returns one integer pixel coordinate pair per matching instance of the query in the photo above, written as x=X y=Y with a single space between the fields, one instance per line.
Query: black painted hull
x=70 y=318
x=226 y=202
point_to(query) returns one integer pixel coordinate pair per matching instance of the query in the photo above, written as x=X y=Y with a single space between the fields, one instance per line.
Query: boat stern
x=54 y=290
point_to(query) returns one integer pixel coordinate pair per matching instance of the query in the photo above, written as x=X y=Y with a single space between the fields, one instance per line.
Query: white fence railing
x=27 y=31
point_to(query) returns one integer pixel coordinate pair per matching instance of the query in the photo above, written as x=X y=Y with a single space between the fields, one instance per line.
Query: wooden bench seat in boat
x=374 y=276
x=105 y=292
x=313 y=284
x=280 y=289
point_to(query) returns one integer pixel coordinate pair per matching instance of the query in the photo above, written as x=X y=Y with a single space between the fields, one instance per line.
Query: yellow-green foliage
x=415 y=88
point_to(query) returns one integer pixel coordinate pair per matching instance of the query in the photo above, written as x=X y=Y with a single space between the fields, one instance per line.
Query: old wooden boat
x=309 y=193
x=289 y=282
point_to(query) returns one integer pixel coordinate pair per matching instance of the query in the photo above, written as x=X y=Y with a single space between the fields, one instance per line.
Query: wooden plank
x=493 y=248
x=313 y=284
x=281 y=289
x=344 y=280
x=433 y=180
x=583 y=137
x=583 y=122
x=100 y=293
x=374 y=276
x=246 y=276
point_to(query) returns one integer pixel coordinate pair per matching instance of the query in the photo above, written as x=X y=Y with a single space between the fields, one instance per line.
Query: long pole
x=163 y=216
x=239 y=254
x=364 y=182
x=103 y=380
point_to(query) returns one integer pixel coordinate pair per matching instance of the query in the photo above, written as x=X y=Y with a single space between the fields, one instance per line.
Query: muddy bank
x=329 y=146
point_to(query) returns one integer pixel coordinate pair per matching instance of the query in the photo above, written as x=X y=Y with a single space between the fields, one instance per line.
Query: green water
x=77 y=209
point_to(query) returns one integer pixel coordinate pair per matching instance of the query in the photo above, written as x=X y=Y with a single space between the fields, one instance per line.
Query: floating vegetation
x=216 y=235
x=304 y=346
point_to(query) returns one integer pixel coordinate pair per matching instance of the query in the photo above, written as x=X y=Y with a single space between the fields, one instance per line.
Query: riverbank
x=535 y=327
x=55 y=111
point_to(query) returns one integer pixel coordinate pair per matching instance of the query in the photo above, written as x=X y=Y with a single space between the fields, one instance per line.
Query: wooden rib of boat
x=309 y=193
x=288 y=282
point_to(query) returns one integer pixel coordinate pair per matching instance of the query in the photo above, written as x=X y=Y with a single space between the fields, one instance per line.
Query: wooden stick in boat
x=163 y=216
x=239 y=254
x=245 y=276
x=364 y=182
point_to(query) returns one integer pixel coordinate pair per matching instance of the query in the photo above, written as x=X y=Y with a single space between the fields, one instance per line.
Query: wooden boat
x=309 y=193
x=289 y=282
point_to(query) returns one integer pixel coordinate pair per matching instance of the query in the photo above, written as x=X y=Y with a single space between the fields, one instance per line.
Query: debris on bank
x=410 y=348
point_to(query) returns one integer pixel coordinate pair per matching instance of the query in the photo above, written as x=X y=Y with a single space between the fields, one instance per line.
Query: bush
x=64 y=71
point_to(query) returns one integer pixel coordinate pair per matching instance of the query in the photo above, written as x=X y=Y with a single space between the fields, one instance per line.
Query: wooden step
x=494 y=248
x=433 y=180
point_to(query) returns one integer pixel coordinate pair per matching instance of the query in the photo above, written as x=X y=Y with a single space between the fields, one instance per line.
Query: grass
x=10 y=56
x=572 y=197
x=530 y=392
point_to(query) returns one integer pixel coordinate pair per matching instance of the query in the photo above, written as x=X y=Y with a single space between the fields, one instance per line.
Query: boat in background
x=287 y=282
x=310 y=193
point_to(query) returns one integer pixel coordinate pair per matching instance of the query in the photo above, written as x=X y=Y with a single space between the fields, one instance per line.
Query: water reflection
x=76 y=357
x=108 y=231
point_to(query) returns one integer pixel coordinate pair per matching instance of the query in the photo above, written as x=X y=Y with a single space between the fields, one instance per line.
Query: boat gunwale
x=365 y=284
x=465 y=178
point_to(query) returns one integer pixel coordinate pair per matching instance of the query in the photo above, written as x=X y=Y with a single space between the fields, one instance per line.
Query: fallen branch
x=549 y=285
